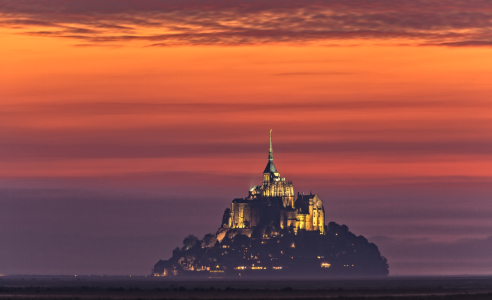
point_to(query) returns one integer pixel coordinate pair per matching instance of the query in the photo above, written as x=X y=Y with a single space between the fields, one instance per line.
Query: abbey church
x=274 y=205
x=274 y=232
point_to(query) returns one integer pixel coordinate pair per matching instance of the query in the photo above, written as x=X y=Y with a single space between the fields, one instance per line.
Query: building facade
x=274 y=204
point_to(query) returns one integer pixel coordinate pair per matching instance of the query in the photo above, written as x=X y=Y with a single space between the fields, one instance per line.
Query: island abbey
x=274 y=232
x=274 y=204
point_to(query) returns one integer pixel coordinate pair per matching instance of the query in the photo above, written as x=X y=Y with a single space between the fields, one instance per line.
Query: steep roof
x=270 y=167
x=302 y=203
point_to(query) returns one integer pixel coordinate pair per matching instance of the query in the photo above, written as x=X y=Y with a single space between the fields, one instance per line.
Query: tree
x=189 y=242
x=208 y=240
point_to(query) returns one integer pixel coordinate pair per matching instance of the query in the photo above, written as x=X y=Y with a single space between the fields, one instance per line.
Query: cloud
x=250 y=22
x=468 y=44
x=124 y=108
x=24 y=135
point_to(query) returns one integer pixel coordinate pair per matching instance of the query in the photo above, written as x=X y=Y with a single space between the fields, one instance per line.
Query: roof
x=240 y=200
x=302 y=203
x=163 y=264
x=305 y=197
x=270 y=168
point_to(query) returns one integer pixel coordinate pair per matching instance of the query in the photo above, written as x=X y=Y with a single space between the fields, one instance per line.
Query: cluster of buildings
x=270 y=211
x=275 y=203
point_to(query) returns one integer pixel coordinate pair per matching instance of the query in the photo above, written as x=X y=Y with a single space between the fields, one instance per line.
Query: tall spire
x=270 y=167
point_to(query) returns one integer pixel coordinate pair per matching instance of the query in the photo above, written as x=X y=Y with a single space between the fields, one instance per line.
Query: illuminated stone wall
x=305 y=213
x=279 y=189
x=288 y=219
x=310 y=213
x=244 y=214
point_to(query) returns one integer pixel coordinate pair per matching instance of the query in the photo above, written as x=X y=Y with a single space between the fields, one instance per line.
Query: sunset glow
x=367 y=100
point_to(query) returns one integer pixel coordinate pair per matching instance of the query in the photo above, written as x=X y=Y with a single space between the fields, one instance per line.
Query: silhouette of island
x=270 y=233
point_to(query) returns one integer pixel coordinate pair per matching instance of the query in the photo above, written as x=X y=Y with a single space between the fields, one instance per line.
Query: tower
x=273 y=184
x=270 y=173
x=273 y=202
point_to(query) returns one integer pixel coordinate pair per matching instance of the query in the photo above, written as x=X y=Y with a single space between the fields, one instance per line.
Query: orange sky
x=146 y=97
x=308 y=94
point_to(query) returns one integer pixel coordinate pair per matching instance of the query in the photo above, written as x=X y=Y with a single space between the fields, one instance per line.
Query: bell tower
x=270 y=173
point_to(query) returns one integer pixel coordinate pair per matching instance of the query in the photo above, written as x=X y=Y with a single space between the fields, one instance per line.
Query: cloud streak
x=40 y=130
x=171 y=23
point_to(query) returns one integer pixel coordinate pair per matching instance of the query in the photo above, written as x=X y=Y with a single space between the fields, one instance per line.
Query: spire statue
x=270 y=153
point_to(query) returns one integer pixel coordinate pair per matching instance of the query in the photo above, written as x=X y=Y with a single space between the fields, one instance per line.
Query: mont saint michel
x=275 y=232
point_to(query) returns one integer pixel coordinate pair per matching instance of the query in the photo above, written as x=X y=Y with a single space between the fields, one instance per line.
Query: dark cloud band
x=168 y=23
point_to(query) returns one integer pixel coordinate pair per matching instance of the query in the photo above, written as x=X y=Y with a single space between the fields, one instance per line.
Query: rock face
x=270 y=233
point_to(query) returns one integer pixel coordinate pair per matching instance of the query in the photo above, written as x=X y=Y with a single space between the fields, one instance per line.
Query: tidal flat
x=141 y=287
